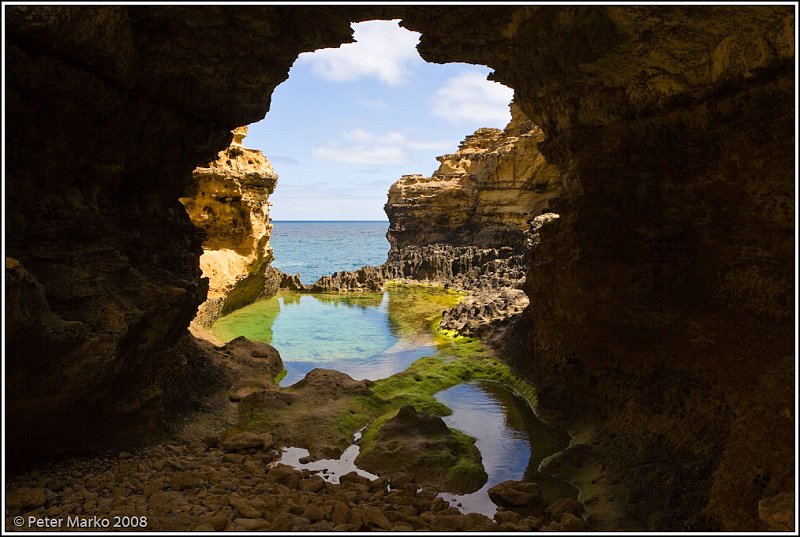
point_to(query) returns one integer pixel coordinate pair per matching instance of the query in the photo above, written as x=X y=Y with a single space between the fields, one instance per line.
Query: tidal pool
x=375 y=335
x=511 y=439
x=366 y=335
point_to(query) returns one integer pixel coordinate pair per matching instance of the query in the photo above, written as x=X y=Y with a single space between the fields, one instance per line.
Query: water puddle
x=365 y=335
x=511 y=439
x=329 y=469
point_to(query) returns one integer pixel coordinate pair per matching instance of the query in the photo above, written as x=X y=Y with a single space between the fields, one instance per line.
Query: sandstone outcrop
x=662 y=298
x=483 y=195
x=228 y=199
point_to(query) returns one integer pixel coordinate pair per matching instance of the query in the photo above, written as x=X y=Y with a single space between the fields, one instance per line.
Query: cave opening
x=343 y=133
x=347 y=124
x=345 y=128
x=665 y=292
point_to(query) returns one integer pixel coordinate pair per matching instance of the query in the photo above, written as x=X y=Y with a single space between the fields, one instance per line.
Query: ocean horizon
x=317 y=248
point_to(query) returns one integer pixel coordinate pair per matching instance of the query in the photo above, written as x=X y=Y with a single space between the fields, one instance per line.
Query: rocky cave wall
x=662 y=297
x=228 y=199
x=111 y=109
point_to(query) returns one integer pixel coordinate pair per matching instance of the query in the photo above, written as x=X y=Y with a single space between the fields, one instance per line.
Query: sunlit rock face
x=228 y=200
x=483 y=195
x=662 y=297
x=466 y=225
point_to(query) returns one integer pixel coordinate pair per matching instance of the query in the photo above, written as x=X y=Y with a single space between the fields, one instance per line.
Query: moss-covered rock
x=422 y=445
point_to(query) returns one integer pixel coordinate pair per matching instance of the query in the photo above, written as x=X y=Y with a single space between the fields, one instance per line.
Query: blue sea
x=316 y=249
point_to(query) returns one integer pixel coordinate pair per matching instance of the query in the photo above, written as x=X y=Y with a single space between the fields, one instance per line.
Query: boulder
x=25 y=498
x=778 y=511
x=247 y=440
x=515 y=494
x=424 y=447
x=564 y=505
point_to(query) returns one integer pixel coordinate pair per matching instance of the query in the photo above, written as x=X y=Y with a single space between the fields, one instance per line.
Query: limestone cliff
x=467 y=225
x=228 y=200
x=485 y=194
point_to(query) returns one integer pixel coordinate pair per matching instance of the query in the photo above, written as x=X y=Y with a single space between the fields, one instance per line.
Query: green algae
x=280 y=376
x=254 y=322
x=413 y=313
x=458 y=359
x=417 y=309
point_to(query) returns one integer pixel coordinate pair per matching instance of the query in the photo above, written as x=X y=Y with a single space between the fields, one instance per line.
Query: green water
x=366 y=335
x=375 y=335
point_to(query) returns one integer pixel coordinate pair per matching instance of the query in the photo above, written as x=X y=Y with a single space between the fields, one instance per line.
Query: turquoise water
x=316 y=249
x=511 y=439
x=362 y=334
x=375 y=335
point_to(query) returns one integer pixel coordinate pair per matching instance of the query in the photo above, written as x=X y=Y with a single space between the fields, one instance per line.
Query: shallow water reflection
x=366 y=335
x=329 y=469
x=511 y=439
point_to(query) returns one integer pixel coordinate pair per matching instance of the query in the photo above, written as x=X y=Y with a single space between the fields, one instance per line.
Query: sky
x=351 y=121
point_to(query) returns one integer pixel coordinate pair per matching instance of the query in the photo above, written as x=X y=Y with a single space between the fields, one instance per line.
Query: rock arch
x=664 y=294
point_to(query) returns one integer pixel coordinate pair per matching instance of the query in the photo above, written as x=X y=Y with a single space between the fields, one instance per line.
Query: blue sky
x=350 y=121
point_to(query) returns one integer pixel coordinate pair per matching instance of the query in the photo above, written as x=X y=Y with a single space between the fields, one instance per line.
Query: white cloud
x=364 y=147
x=382 y=50
x=470 y=97
x=377 y=104
x=361 y=154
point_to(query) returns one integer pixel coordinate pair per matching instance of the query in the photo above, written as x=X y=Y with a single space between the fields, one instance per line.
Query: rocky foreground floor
x=239 y=486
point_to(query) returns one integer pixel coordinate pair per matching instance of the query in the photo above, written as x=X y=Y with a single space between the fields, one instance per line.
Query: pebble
x=224 y=492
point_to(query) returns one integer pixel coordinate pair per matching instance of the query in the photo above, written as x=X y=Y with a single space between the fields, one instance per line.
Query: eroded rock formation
x=662 y=298
x=418 y=444
x=483 y=195
x=228 y=200
x=467 y=226
x=462 y=267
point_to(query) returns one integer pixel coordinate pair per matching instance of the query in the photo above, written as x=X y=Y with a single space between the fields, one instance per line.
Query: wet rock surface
x=191 y=486
x=421 y=447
